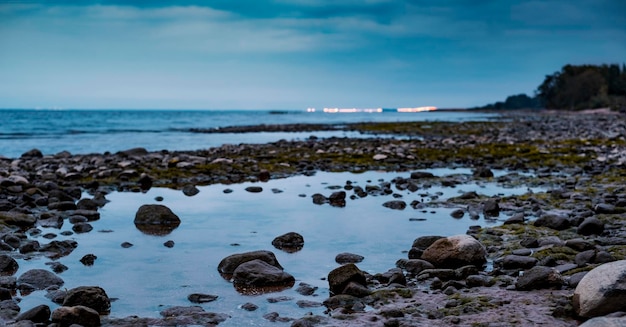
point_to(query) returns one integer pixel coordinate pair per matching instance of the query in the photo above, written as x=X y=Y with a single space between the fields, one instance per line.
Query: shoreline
x=580 y=157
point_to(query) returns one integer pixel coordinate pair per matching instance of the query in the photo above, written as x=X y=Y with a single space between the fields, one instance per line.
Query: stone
x=78 y=315
x=93 y=297
x=414 y=266
x=340 y=277
x=8 y=265
x=552 y=221
x=455 y=251
x=190 y=190
x=201 y=298
x=457 y=213
x=289 y=242
x=605 y=322
x=491 y=208
x=260 y=274
x=38 y=314
x=156 y=219
x=80 y=228
x=254 y=189
x=590 y=226
x=539 y=277
x=228 y=265
x=345 y=257
x=482 y=172
x=423 y=242
x=39 y=279
x=395 y=204
x=602 y=290
x=518 y=262
x=17 y=219
x=337 y=199
x=517 y=218
x=88 y=259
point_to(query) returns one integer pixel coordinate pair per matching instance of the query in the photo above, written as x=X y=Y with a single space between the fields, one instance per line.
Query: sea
x=99 y=131
x=221 y=220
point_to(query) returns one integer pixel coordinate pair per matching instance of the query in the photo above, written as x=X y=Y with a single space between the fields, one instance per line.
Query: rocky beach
x=553 y=258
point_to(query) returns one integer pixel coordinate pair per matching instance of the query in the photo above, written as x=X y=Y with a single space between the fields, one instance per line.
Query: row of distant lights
x=371 y=110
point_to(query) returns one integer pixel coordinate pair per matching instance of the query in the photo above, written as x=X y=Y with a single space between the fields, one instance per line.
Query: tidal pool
x=149 y=277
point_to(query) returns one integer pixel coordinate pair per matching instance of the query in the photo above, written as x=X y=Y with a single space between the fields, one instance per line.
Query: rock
x=57 y=249
x=455 y=251
x=62 y=206
x=289 y=242
x=337 y=199
x=421 y=174
x=517 y=218
x=395 y=204
x=39 y=279
x=482 y=172
x=423 y=242
x=340 y=277
x=602 y=290
x=190 y=190
x=539 y=277
x=249 y=306
x=457 y=213
x=80 y=228
x=552 y=221
x=306 y=289
x=190 y=316
x=78 y=315
x=491 y=208
x=17 y=219
x=345 y=257
x=88 y=259
x=228 y=265
x=319 y=199
x=518 y=262
x=392 y=276
x=169 y=244
x=5 y=294
x=254 y=189
x=590 y=226
x=605 y=208
x=93 y=297
x=32 y=154
x=201 y=298
x=414 y=266
x=38 y=314
x=156 y=219
x=605 y=322
x=260 y=274
x=8 y=265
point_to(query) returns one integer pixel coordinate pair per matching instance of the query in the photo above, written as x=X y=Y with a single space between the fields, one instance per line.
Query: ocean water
x=99 y=131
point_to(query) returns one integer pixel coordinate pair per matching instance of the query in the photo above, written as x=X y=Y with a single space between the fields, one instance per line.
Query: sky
x=294 y=54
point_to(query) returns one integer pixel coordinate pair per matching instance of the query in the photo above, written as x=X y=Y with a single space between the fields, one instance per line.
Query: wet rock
x=345 y=257
x=414 y=266
x=289 y=242
x=228 y=265
x=539 y=277
x=32 y=154
x=306 y=289
x=337 y=199
x=39 y=279
x=57 y=267
x=455 y=251
x=254 y=189
x=156 y=219
x=457 y=213
x=339 y=278
x=260 y=274
x=479 y=281
x=552 y=221
x=78 y=315
x=169 y=244
x=8 y=265
x=57 y=249
x=491 y=208
x=392 y=276
x=52 y=221
x=127 y=245
x=80 y=228
x=319 y=199
x=590 y=226
x=93 y=297
x=201 y=298
x=482 y=172
x=395 y=204
x=190 y=190
x=421 y=175
x=88 y=259
x=17 y=219
x=605 y=322
x=517 y=218
x=602 y=290
x=249 y=306
x=38 y=314
x=62 y=206
x=518 y=262
x=423 y=242
x=29 y=247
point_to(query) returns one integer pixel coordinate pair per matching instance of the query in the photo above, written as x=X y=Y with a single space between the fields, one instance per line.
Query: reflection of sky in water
x=148 y=276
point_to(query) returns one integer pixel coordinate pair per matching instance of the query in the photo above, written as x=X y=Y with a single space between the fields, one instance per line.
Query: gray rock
x=260 y=274
x=17 y=219
x=602 y=290
x=517 y=218
x=491 y=208
x=229 y=264
x=345 y=257
x=457 y=213
x=552 y=221
x=455 y=251
x=39 y=279
x=591 y=226
x=605 y=322
x=423 y=242
x=289 y=242
x=8 y=265
x=414 y=266
x=518 y=262
x=156 y=219
x=190 y=190
x=78 y=315
x=539 y=277
x=395 y=204
x=93 y=297
x=254 y=189
x=339 y=278
x=38 y=314
x=201 y=298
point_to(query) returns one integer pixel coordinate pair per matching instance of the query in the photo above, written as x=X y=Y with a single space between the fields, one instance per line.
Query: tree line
x=575 y=88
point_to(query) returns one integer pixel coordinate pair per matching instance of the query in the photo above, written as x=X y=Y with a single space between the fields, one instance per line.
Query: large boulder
x=340 y=278
x=39 y=279
x=228 y=265
x=156 y=219
x=455 y=252
x=93 y=297
x=259 y=276
x=38 y=314
x=289 y=242
x=78 y=315
x=602 y=290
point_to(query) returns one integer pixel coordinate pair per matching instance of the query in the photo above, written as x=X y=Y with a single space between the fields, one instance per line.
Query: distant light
x=417 y=109
x=310 y=109
x=352 y=110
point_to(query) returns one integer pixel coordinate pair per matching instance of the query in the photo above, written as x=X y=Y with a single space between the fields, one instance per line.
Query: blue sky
x=294 y=54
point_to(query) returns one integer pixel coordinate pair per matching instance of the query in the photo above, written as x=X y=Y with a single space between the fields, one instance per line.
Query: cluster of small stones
x=548 y=241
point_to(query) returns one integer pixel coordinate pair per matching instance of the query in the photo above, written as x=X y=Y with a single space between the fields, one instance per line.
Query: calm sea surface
x=98 y=131
x=148 y=277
